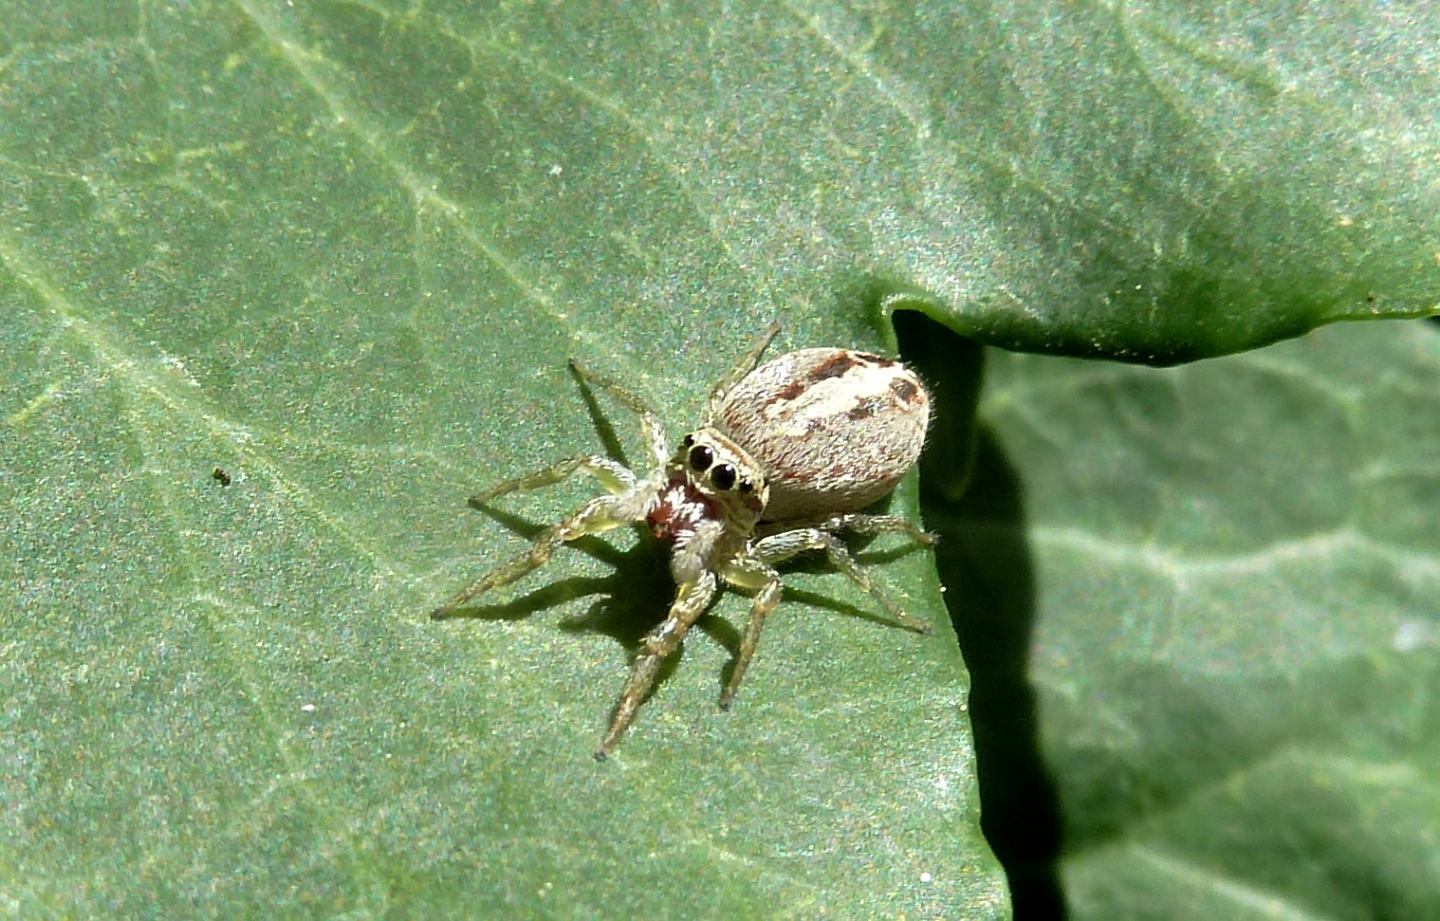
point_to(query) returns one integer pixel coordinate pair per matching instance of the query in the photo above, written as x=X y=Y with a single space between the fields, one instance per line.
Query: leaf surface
x=1199 y=612
x=340 y=251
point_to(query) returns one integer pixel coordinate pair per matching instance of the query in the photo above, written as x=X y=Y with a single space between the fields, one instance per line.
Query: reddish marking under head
x=680 y=509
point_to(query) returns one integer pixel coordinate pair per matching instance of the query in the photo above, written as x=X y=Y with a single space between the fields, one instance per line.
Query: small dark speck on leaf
x=220 y=476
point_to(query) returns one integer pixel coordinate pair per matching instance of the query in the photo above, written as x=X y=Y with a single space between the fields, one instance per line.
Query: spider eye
x=701 y=458
x=746 y=486
x=723 y=476
x=688 y=441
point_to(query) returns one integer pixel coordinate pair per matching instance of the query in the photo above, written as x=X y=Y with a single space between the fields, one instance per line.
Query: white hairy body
x=833 y=429
x=789 y=454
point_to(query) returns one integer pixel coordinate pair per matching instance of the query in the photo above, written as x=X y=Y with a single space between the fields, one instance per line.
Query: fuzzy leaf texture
x=340 y=252
x=1198 y=606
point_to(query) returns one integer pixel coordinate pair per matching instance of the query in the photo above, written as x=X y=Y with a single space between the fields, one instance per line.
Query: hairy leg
x=599 y=514
x=749 y=572
x=782 y=546
x=691 y=599
x=656 y=441
x=744 y=366
x=613 y=475
x=878 y=524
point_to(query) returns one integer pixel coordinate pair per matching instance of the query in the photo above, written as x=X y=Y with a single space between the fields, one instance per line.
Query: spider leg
x=656 y=441
x=878 y=524
x=782 y=546
x=613 y=475
x=744 y=366
x=690 y=602
x=750 y=572
x=599 y=514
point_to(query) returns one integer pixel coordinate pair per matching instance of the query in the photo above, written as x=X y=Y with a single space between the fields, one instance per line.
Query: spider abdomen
x=833 y=429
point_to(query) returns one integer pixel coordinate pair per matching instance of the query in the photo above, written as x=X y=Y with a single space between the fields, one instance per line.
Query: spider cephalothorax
x=709 y=503
x=788 y=455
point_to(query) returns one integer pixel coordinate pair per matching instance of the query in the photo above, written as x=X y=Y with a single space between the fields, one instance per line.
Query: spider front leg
x=744 y=366
x=656 y=441
x=599 y=514
x=782 y=546
x=691 y=600
x=613 y=475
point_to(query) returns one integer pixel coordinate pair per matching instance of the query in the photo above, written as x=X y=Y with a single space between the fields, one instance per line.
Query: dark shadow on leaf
x=550 y=596
x=630 y=600
x=603 y=427
x=593 y=546
x=875 y=614
x=972 y=496
x=889 y=554
x=634 y=597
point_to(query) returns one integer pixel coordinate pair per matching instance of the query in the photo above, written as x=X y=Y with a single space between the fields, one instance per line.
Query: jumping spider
x=787 y=456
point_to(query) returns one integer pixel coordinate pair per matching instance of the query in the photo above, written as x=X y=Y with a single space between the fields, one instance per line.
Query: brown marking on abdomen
x=790 y=391
x=905 y=390
x=861 y=411
x=835 y=366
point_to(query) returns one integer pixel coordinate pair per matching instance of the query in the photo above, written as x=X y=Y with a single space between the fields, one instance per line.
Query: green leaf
x=341 y=251
x=1199 y=611
x=222 y=694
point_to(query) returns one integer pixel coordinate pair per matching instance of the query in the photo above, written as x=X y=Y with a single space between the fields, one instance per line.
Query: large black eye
x=701 y=458
x=723 y=476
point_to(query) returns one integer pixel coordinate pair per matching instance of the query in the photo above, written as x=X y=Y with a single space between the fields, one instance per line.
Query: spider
x=788 y=455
